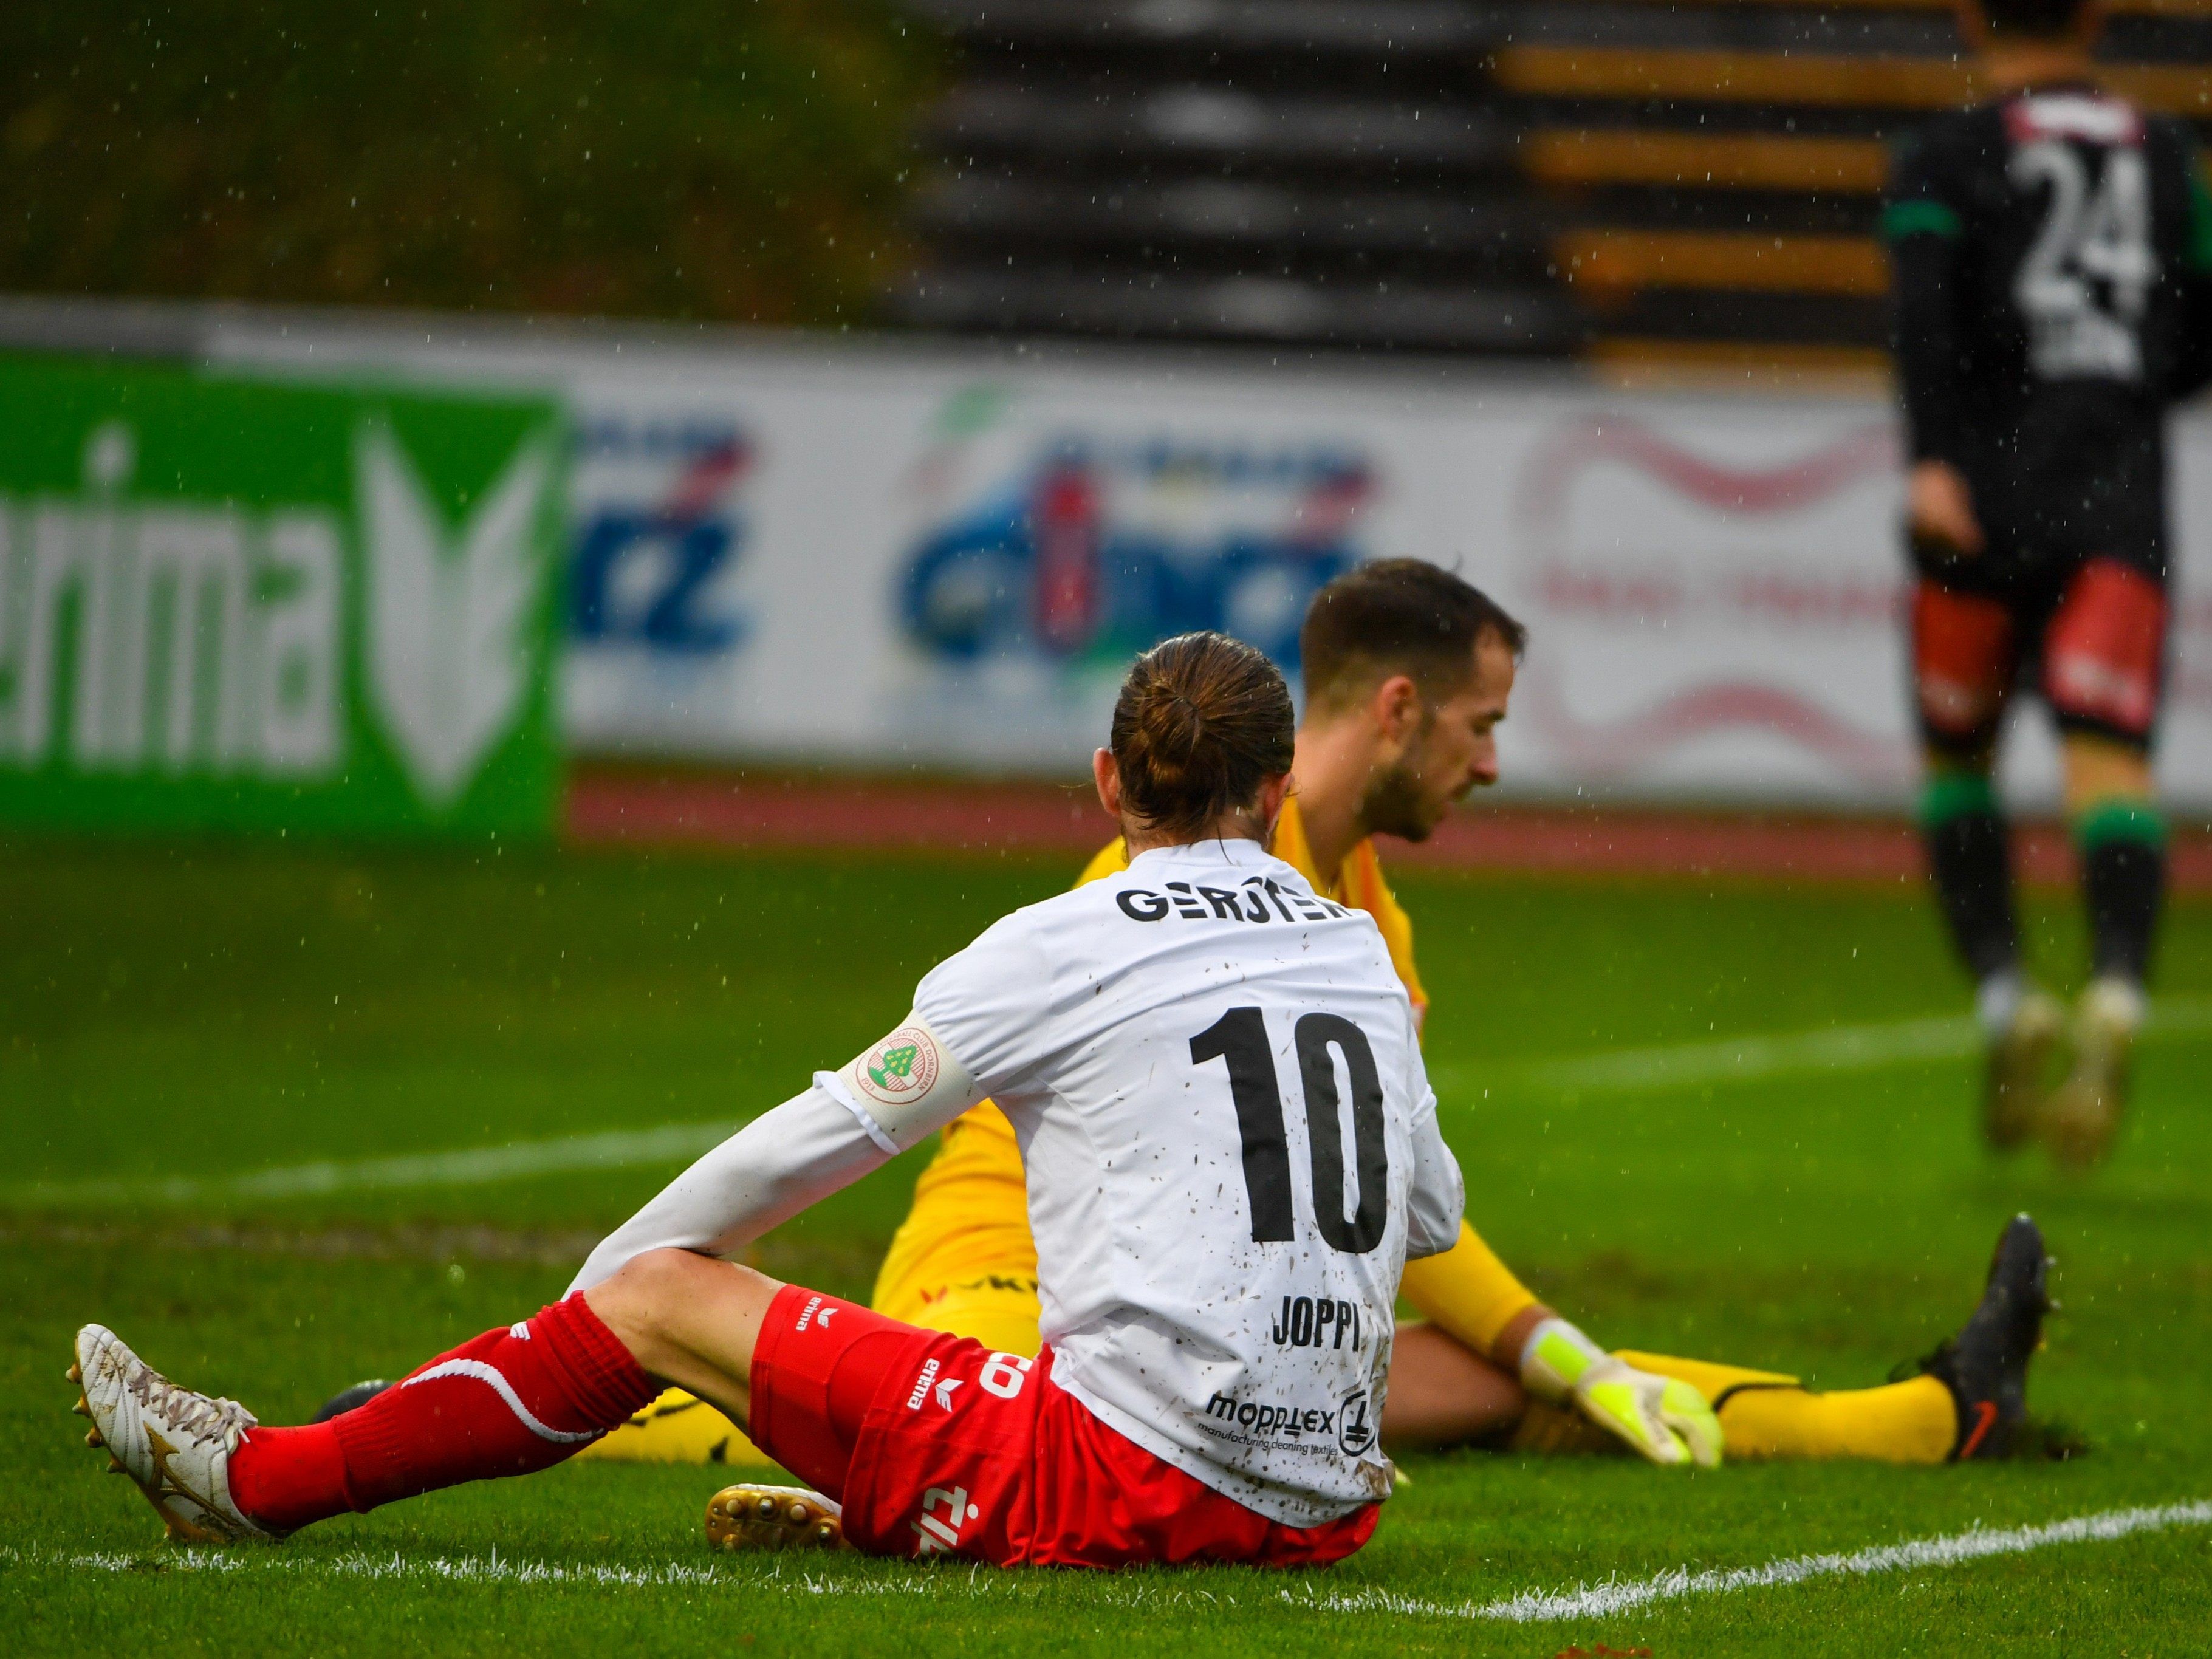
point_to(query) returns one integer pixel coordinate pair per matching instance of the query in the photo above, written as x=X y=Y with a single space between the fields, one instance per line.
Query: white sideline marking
x=1531 y=1607
x=1758 y=1059
x=1627 y=1071
x=616 y=1150
x=492 y=1569
x=1732 y=1059
x=1972 y=1544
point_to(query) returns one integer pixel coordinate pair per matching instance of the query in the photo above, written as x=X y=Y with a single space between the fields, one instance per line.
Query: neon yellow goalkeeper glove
x=1665 y=1419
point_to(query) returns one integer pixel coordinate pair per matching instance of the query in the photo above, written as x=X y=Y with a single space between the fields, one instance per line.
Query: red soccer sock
x=513 y=1400
x=285 y=1478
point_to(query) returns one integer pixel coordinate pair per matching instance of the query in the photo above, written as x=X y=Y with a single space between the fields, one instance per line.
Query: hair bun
x=1202 y=722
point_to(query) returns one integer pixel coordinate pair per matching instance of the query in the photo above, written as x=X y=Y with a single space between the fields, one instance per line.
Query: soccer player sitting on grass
x=1223 y=1117
x=1408 y=670
x=2051 y=250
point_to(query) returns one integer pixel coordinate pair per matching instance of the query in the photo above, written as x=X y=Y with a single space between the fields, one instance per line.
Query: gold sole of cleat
x=751 y=1517
x=76 y=1372
x=182 y=1532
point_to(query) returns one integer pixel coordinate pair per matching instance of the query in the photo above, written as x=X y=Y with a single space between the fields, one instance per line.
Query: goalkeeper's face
x=1452 y=751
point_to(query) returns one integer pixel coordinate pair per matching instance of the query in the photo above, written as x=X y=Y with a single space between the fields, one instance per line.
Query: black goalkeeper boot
x=1985 y=1364
x=346 y=1399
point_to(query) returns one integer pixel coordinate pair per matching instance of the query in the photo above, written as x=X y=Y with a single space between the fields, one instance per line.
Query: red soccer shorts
x=936 y=1445
x=2104 y=651
x=1963 y=657
x=2101 y=647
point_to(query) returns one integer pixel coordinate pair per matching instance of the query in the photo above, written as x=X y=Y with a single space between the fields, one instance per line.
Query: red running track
x=752 y=811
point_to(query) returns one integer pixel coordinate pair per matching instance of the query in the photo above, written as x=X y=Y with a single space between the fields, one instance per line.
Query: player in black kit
x=2052 y=250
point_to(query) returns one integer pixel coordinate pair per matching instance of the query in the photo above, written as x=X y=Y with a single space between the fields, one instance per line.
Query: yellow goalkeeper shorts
x=676 y=1428
x=963 y=1260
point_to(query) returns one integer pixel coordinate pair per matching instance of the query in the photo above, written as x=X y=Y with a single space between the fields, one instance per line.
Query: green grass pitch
x=210 y=1010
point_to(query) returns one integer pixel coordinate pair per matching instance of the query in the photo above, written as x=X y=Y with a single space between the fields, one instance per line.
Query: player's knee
x=2100 y=768
x=1443 y=1394
x=649 y=1295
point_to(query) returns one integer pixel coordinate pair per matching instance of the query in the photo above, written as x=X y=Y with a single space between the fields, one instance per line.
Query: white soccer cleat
x=2017 y=1083
x=176 y=1444
x=2082 y=1117
x=752 y=1516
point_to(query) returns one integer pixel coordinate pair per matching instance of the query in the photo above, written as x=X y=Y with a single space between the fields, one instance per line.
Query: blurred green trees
x=738 y=160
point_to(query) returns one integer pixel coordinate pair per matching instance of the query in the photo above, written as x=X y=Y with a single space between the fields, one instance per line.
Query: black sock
x=2124 y=885
x=1970 y=858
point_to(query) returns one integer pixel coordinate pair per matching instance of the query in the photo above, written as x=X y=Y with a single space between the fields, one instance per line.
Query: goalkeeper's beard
x=1396 y=803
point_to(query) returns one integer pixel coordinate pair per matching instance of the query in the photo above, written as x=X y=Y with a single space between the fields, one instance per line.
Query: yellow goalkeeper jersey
x=966 y=1242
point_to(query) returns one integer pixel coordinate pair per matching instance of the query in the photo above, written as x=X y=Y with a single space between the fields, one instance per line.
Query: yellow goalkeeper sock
x=1766 y=1414
x=676 y=1428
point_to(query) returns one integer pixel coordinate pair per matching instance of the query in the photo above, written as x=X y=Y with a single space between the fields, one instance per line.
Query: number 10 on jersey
x=1240 y=1037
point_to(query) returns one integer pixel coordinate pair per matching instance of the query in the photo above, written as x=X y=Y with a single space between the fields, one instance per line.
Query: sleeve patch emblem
x=903 y=1066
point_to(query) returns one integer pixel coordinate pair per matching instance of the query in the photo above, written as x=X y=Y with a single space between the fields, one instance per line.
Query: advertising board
x=229 y=603
x=897 y=556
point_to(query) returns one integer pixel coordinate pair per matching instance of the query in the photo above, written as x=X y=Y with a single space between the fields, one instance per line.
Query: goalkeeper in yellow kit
x=1407 y=671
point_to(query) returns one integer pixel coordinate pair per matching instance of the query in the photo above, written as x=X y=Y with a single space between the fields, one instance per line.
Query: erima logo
x=449 y=609
x=921 y=1387
x=943 y=1514
x=806 y=1314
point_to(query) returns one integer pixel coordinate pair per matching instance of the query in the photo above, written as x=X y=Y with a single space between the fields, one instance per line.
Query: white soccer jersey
x=1231 y=1149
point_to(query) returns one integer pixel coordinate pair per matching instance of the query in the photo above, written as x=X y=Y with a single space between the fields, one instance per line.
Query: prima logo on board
x=199 y=637
x=142 y=635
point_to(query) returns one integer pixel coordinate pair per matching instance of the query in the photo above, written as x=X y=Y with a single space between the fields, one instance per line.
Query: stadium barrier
x=892 y=555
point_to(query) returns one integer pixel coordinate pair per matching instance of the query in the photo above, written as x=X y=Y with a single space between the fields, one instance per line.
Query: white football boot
x=2082 y=1117
x=176 y=1444
x=2016 y=1082
x=753 y=1516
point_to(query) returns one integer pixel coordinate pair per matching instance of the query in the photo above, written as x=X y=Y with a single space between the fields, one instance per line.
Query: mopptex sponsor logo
x=1349 y=1422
